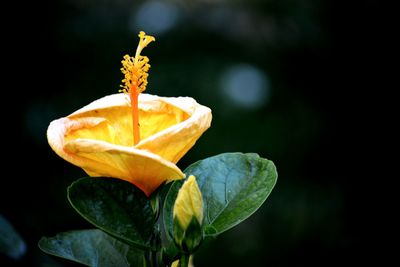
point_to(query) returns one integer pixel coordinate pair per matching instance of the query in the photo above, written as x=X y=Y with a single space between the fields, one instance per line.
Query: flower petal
x=99 y=139
x=169 y=126
x=144 y=169
x=173 y=142
x=99 y=158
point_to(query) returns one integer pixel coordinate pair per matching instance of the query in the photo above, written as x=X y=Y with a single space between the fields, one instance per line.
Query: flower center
x=135 y=70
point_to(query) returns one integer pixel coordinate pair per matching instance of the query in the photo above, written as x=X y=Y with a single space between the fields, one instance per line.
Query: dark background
x=294 y=81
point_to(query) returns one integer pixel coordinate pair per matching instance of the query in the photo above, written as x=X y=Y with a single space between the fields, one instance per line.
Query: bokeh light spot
x=246 y=86
x=155 y=17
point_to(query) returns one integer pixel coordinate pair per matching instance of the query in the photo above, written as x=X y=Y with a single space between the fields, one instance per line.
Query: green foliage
x=11 y=242
x=233 y=185
x=116 y=207
x=92 y=248
x=169 y=207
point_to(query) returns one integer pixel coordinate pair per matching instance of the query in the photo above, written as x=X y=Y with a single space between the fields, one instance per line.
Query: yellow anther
x=135 y=71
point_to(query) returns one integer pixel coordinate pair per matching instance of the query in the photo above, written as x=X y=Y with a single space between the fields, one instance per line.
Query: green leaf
x=169 y=207
x=11 y=242
x=233 y=185
x=92 y=248
x=116 y=207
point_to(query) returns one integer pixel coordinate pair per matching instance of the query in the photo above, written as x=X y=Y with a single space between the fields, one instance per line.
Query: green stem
x=184 y=260
x=154 y=258
x=151 y=259
x=147 y=258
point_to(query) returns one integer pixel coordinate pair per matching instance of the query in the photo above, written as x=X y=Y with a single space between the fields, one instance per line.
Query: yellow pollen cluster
x=135 y=69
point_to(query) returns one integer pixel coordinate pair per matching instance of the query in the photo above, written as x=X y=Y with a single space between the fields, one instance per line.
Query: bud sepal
x=189 y=239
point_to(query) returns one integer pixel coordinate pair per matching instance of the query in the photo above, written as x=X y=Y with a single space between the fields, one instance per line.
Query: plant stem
x=151 y=259
x=154 y=259
x=184 y=260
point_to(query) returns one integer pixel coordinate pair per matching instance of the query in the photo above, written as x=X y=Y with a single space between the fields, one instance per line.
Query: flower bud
x=188 y=216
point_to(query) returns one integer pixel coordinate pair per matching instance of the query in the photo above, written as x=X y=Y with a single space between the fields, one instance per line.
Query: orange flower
x=98 y=137
x=132 y=136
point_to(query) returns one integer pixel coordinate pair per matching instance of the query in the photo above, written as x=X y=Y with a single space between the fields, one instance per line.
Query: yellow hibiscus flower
x=98 y=137
x=101 y=139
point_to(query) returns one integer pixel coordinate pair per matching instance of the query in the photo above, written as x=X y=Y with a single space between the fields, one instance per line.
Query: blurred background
x=285 y=79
